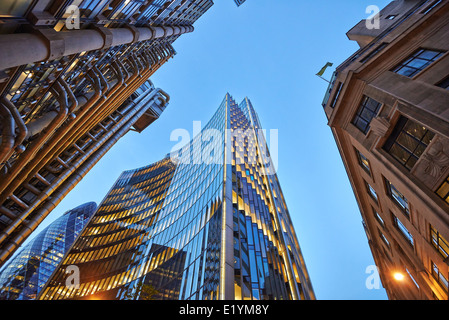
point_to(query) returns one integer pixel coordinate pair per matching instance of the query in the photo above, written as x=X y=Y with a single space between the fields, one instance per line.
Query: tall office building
x=70 y=73
x=24 y=276
x=388 y=108
x=207 y=222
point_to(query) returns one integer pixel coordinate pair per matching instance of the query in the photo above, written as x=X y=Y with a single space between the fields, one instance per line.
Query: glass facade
x=268 y=261
x=207 y=222
x=28 y=272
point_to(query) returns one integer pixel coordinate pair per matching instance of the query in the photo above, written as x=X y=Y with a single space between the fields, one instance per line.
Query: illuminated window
x=443 y=190
x=441 y=244
x=404 y=231
x=442 y=280
x=398 y=198
x=363 y=161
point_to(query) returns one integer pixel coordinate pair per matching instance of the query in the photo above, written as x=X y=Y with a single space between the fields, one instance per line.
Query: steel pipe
x=68 y=131
x=18 y=120
x=14 y=48
x=28 y=154
x=120 y=97
x=27 y=162
x=8 y=136
x=76 y=172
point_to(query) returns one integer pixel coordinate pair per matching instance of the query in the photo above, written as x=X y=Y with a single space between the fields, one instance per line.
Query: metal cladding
x=193 y=226
x=70 y=87
x=25 y=275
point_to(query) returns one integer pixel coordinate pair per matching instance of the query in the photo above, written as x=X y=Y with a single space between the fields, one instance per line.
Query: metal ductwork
x=50 y=44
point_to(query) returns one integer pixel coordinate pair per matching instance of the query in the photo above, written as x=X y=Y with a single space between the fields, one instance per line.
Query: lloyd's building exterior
x=74 y=79
x=207 y=222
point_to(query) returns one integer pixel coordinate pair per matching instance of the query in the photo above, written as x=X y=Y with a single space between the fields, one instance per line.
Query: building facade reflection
x=207 y=222
x=24 y=276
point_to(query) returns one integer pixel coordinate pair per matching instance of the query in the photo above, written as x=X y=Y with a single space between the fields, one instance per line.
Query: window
x=407 y=235
x=443 y=190
x=371 y=191
x=431 y=7
x=444 y=83
x=363 y=161
x=366 y=112
x=391 y=16
x=417 y=62
x=411 y=277
x=442 y=280
x=334 y=101
x=398 y=198
x=384 y=239
x=379 y=218
x=408 y=141
x=441 y=244
x=374 y=52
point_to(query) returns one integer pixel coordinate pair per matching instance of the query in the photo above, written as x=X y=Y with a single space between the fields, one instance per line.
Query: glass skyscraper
x=25 y=275
x=207 y=222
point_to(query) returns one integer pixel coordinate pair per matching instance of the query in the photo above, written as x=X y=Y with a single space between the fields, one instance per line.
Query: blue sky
x=269 y=51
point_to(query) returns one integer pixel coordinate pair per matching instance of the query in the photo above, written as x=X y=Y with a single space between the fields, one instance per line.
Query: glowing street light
x=398 y=276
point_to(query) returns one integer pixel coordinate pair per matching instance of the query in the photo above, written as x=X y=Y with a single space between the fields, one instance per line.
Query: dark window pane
x=367 y=111
x=428 y=137
x=417 y=62
x=415 y=130
x=408 y=142
x=361 y=124
x=444 y=83
x=399 y=153
x=367 y=115
x=411 y=163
